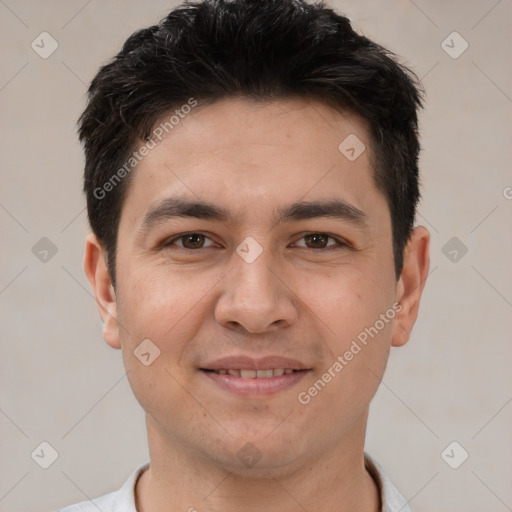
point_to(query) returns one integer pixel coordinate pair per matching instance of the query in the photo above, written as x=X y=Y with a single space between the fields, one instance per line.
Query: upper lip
x=251 y=363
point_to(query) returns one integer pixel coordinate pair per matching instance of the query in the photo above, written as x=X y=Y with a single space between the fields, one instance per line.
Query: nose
x=255 y=296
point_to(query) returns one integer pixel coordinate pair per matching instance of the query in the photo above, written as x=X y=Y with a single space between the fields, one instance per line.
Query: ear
x=96 y=269
x=411 y=283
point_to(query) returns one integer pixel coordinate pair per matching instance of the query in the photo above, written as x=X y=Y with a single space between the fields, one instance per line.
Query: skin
x=297 y=299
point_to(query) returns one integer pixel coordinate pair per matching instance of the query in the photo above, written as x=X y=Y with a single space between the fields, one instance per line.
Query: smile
x=254 y=382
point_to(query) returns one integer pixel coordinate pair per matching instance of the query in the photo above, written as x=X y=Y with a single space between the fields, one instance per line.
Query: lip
x=264 y=386
x=258 y=386
x=250 y=363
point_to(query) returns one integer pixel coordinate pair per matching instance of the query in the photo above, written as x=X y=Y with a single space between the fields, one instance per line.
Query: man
x=251 y=179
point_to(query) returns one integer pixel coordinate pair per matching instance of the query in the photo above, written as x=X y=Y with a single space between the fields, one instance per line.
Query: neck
x=179 y=480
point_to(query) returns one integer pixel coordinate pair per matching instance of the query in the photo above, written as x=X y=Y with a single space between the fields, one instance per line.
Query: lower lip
x=255 y=386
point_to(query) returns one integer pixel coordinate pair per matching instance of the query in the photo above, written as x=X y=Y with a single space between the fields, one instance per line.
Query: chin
x=256 y=451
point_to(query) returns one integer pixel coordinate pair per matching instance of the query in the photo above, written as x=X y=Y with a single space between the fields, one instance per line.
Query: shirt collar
x=392 y=500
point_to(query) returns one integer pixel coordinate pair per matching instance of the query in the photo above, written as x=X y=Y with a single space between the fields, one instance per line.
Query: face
x=257 y=282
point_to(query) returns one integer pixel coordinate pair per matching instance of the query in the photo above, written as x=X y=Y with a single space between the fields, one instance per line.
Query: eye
x=190 y=241
x=319 y=241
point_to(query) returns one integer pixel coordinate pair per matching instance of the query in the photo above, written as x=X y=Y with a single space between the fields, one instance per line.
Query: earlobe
x=97 y=272
x=411 y=283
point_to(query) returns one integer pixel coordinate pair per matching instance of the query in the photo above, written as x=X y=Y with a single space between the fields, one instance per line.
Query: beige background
x=61 y=383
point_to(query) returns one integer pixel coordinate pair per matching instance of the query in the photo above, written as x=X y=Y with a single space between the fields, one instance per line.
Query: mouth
x=254 y=374
x=253 y=383
x=249 y=376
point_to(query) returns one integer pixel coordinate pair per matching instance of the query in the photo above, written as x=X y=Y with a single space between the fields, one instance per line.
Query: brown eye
x=320 y=241
x=195 y=241
x=188 y=241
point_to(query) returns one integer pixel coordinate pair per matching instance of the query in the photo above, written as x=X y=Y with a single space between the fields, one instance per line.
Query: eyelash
x=338 y=245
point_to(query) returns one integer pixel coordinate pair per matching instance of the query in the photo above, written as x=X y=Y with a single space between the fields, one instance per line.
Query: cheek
x=347 y=301
x=350 y=377
x=357 y=317
x=159 y=316
x=161 y=303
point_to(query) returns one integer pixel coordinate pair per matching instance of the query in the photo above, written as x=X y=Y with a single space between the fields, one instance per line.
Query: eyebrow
x=174 y=207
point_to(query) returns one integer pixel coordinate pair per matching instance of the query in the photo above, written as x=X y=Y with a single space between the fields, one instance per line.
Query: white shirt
x=123 y=500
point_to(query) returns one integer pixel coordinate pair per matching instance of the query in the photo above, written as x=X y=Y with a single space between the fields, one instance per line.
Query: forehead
x=254 y=156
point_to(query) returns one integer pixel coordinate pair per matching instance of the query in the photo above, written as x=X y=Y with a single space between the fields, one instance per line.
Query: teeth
x=264 y=374
x=257 y=374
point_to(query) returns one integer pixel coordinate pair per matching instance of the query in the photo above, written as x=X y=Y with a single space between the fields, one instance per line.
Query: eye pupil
x=317 y=236
x=192 y=237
